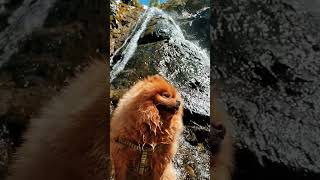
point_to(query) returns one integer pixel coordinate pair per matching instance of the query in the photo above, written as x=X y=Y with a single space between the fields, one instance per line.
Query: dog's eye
x=165 y=94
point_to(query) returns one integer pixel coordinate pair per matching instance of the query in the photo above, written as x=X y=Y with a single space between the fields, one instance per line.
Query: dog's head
x=160 y=97
x=168 y=103
x=154 y=106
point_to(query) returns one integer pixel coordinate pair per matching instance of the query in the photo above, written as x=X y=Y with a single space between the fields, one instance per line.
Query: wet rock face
x=18 y=21
x=185 y=5
x=265 y=54
x=193 y=6
x=193 y=17
x=196 y=26
x=6 y=145
x=192 y=161
x=7 y=8
x=157 y=30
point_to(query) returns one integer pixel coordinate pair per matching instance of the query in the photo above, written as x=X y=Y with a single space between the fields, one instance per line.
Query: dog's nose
x=177 y=104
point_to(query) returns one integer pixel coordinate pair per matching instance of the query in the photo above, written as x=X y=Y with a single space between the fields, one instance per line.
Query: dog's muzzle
x=177 y=105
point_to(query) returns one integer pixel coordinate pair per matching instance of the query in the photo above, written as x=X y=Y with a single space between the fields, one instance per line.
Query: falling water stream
x=131 y=43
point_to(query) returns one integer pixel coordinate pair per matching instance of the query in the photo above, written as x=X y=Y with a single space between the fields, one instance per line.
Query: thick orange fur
x=68 y=140
x=139 y=119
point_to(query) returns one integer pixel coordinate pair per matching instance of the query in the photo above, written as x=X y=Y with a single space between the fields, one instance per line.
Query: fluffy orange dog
x=144 y=131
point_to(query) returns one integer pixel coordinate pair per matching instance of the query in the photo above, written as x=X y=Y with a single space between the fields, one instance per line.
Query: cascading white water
x=22 y=22
x=132 y=45
x=203 y=54
x=129 y=37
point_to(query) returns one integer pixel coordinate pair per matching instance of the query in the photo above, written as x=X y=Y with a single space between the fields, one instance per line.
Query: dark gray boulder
x=266 y=53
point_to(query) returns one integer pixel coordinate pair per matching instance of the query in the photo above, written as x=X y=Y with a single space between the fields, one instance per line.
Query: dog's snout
x=177 y=104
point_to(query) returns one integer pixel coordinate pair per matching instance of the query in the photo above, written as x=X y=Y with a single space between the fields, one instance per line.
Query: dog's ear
x=149 y=115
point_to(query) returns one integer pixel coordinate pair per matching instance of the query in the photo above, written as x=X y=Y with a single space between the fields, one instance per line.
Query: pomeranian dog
x=68 y=139
x=145 y=128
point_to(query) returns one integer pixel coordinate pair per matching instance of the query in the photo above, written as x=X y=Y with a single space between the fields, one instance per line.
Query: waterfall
x=129 y=37
x=132 y=45
x=194 y=65
x=203 y=54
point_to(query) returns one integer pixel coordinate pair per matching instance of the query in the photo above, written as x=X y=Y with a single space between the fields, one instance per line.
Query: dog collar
x=137 y=147
x=143 y=164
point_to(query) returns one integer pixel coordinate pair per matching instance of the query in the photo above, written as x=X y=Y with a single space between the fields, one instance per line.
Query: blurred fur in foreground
x=68 y=140
x=221 y=142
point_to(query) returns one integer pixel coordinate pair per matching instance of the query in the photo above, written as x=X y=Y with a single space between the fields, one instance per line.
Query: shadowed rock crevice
x=7 y=8
x=269 y=170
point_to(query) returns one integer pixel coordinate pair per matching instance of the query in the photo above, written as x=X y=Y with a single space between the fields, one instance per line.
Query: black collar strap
x=137 y=147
